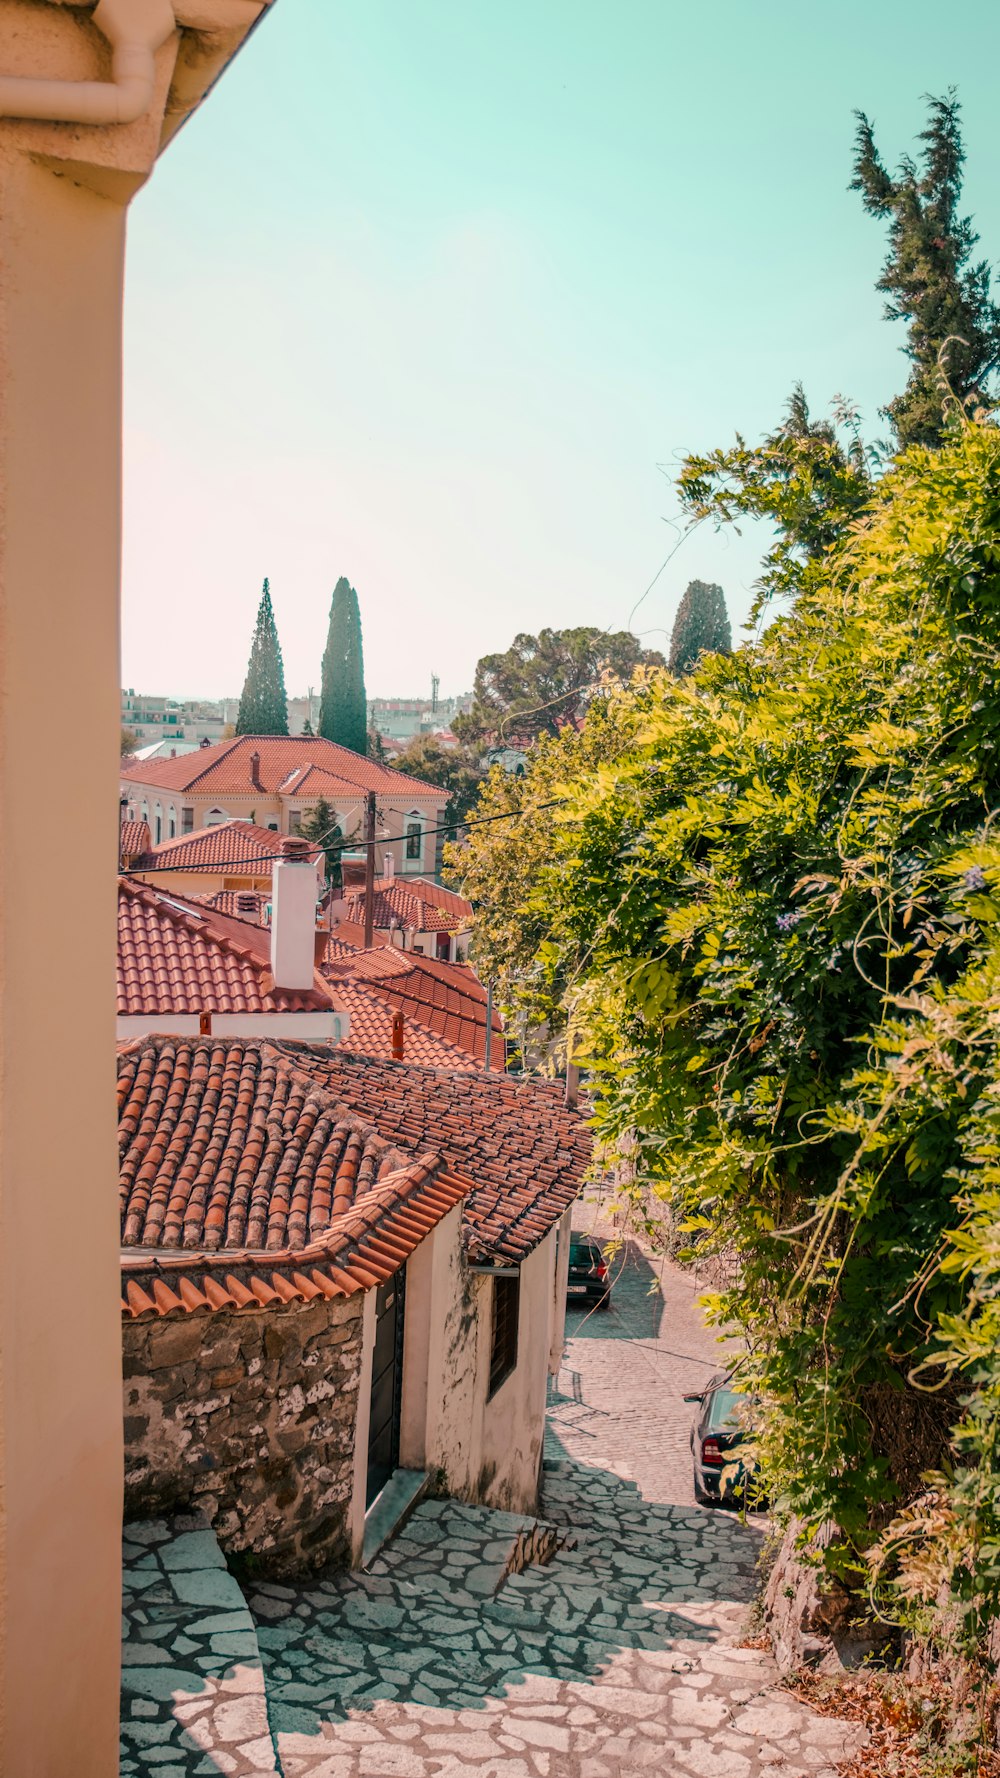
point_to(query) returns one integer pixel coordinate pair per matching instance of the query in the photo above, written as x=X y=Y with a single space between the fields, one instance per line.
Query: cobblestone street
x=617 y=1656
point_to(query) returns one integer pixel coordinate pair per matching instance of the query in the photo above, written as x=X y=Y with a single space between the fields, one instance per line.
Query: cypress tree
x=700 y=627
x=343 y=707
x=263 y=704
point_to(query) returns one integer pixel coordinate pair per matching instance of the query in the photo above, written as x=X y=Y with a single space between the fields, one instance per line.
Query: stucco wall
x=250 y=1417
x=481 y=1450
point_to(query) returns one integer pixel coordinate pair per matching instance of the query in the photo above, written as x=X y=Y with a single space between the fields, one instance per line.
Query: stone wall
x=250 y=1418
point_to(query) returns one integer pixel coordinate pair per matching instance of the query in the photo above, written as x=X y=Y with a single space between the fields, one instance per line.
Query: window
x=145 y=812
x=171 y=823
x=187 y=821
x=414 y=836
x=503 y=1350
x=158 y=825
x=215 y=816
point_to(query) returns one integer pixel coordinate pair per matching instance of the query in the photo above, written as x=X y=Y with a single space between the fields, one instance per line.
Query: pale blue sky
x=430 y=295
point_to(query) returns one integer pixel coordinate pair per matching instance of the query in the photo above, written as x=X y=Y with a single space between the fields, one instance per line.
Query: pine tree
x=320 y=824
x=263 y=705
x=343 y=708
x=700 y=627
x=953 y=323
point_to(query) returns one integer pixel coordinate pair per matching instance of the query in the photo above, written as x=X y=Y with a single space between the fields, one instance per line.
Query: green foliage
x=768 y=922
x=700 y=627
x=543 y=684
x=263 y=705
x=809 y=478
x=953 y=325
x=320 y=824
x=343 y=709
x=456 y=769
x=129 y=743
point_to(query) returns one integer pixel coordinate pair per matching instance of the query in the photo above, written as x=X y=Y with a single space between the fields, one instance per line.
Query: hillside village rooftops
x=174 y=957
x=286 y=765
x=525 y=1150
x=411 y=903
x=239 y=847
x=243 y=1185
x=448 y=999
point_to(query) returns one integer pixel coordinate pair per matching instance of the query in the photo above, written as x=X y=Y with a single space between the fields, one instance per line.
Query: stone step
x=192 y=1677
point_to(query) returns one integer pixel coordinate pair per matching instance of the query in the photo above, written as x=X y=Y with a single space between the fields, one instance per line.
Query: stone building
x=314 y=1306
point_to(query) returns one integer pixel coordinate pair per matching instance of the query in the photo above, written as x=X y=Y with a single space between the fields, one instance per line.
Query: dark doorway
x=444 y=947
x=387 y=1385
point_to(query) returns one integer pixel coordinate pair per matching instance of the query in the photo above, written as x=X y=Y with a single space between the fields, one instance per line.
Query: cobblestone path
x=618 y=1657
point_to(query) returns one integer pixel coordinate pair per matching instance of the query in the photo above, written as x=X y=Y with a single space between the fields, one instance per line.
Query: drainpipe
x=135 y=29
x=489 y=1026
x=398 y=1026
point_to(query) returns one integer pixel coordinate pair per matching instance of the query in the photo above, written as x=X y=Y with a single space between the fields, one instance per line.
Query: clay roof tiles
x=239 y=847
x=179 y=958
x=134 y=839
x=525 y=1150
x=446 y=999
x=243 y=1184
x=414 y=904
x=226 y=769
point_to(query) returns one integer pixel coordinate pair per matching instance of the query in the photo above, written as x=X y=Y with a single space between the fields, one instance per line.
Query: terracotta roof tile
x=525 y=1150
x=284 y=761
x=413 y=904
x=238 y=847
x=228 y=1155
x=134 y=840
x=445 y=999
x=174 y=957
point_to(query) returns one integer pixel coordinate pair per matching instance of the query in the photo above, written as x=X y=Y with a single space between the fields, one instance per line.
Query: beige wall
x=63 y=189
x=61 y=250
x=486 y=1450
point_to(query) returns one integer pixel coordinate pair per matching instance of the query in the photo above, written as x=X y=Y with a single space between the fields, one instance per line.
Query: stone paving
x=192 y=1684
x=601 y=1643
x=618 y=1657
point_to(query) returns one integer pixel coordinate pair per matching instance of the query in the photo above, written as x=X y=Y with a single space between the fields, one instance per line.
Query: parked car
x=719 y=1429
x=587 y=1283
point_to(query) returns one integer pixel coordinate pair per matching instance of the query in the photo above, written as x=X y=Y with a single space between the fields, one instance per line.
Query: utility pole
x=489 y=1024
x=369 y=868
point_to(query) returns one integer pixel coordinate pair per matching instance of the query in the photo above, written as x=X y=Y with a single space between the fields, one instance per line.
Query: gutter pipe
x=135 y=29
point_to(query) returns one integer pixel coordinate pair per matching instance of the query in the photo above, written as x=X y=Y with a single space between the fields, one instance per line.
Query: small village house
x=274 y=781
x=414 y=914
x=236 y=855
x=317 y=1298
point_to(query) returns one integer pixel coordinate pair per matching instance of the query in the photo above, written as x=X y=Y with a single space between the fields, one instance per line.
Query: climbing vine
x=767 y=921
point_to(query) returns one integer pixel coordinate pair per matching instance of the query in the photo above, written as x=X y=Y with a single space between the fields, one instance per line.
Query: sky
x=437 y=296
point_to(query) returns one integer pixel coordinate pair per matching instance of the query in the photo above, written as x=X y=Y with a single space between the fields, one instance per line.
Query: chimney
x=247 y=905
x=388 y=867
x=398 y=1024
x=293 y=916
x=255 y=770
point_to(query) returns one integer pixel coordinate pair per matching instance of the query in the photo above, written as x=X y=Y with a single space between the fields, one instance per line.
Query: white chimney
x=388 y=866
x=293 y=916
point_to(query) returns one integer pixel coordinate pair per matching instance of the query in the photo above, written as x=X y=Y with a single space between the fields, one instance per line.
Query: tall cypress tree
x=343 y=707
x=700 y=627
x=263 y=705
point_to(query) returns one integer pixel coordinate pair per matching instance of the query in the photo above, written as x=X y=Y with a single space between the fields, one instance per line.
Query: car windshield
x=583 y=1253
x=722 y=1409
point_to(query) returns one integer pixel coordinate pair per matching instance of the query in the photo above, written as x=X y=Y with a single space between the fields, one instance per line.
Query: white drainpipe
x=135 y=29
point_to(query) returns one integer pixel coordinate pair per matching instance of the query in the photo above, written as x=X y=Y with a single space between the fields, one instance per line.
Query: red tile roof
x=371 y=1032
x=525 y=1150
x=225 y=769
x=447 y=999
x=174 y=957
x=243 y=1185
x=238 y=848
x=238 y=904
x=134 y=840
x=414 y=904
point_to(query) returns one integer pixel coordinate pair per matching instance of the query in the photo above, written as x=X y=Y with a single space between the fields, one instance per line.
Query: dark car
x=587 y=1283
x=718 y=1431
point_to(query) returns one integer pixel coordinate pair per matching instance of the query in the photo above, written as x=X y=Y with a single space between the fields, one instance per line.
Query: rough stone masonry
x=249 y=1417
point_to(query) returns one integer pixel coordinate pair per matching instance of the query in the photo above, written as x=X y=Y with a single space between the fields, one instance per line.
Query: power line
x=357 y=845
